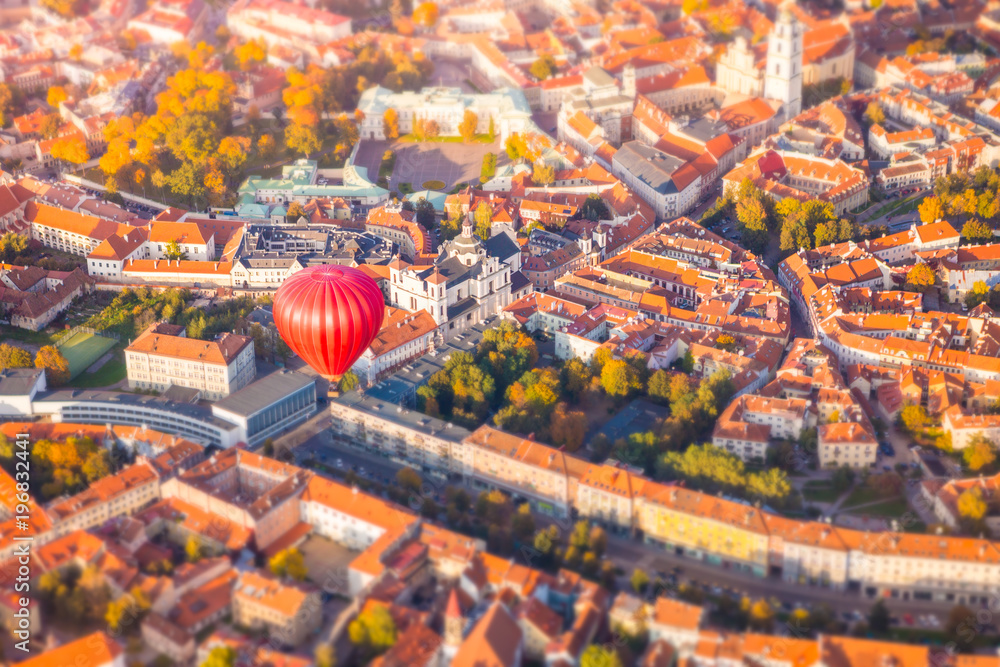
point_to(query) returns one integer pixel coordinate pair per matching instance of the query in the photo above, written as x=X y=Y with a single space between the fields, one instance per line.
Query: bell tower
x=783 y=78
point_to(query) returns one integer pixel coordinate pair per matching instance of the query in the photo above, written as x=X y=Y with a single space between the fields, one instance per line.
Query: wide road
x=626 y=553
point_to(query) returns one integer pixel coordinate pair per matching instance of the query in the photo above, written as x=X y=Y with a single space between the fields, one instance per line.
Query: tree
x=594 y=208
x=543 y=174
x=874 y=113
x=390 y=123
x=878 y=618
x=794 y=233
x=639 y=581
x=266 y=147
x=619 y=378
x=961 y=625
x=221 y=656
x=467 y=128
x=302 y=139
x=426 y=14
x=250 y=53
x=56 y=95
x=920 y=278
x=976 y=231
x=373 y=631
x=600 y=656
x=725 y=342
x=971 y=505
x=913 y=418
x=523 y=523
x=978 y=294
x=12 y=356
x=568 y=427
x=515 y=146
x=483 y=216
x=56 y=367
x=979 y=453
x=97 y=466
x=930 y=210
x=543 y=68
x=173 y=251
x=408 y=480
x=234 y=152
x=71 y=149
x=349 y=381
x=491 y=133
x=192 y=549
x=325 y=655
x=289 y=563
x=489 y=169
x=761 y=615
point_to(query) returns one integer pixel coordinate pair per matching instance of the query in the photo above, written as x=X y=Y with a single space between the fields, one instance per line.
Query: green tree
x=920 y=278
x=594 y=208
x=878 y=618
x=543 y=68
x=914 y=419
x=467 y=128
x=56 y=367
x=659 y=387
x=489 y=168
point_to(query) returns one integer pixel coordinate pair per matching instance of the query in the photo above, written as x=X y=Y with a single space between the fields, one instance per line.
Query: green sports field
x=83 y=349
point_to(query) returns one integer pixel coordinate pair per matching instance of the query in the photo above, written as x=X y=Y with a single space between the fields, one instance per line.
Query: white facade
x=783 y=78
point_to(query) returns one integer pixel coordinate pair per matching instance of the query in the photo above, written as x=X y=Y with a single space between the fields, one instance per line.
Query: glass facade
x=296 y=405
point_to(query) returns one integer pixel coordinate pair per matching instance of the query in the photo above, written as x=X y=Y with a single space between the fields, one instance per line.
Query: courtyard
x=327 y=563
x=451 y=162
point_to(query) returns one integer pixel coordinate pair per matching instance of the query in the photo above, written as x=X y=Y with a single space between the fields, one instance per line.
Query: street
x=625 y=553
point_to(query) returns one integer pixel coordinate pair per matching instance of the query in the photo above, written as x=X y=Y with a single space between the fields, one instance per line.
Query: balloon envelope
x=329 y=315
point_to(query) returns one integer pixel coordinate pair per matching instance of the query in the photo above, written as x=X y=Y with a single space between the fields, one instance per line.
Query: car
x=908 y=619
x=340 y=464
x=361 y=470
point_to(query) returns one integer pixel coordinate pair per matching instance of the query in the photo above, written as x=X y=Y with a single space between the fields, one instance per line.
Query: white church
x=470 y=280
x=780 y=78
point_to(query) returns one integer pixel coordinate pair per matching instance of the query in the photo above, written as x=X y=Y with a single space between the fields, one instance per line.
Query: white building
x=668 y=184
x=470 y=281
x=287 y=25
x=216 y=368
x=783 y=77
x=508 y=108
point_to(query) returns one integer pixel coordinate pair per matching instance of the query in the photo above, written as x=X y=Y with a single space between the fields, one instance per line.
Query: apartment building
x=122 y=494
x=426 y=443
x=849 y=444
x=288 y=611
x=215 y=368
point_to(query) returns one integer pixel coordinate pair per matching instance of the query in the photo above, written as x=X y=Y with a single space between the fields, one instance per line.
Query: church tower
x=453 y=621
x=783 y=79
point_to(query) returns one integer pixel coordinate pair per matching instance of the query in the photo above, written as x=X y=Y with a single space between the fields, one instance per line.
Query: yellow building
x=287 y=610
x=698 y=525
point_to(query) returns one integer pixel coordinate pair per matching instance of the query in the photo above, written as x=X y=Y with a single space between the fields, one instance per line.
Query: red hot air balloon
x=329 y=315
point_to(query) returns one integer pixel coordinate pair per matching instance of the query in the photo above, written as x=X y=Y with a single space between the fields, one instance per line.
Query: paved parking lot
x=327 y=563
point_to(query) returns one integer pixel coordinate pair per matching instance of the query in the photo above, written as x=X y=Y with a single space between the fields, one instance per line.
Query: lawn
x=39 y=338
x=83 y=349
x=433 y=185
x=890 y=509
x=819 y=492
x=862 y=496
x=110 y=373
